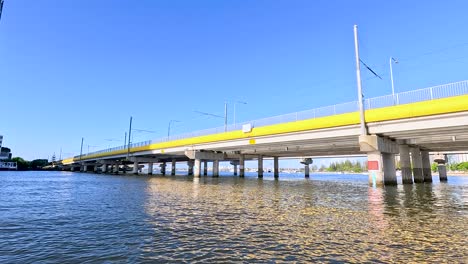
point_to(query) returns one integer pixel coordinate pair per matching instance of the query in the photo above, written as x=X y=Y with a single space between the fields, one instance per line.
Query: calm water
x=63 y=217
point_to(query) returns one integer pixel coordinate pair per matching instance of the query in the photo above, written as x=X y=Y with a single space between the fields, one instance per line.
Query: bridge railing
x=425 y=94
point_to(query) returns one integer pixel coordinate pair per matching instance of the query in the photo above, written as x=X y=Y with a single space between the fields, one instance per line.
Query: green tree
x=21 y=163
x=38 y=164
x=434 y=167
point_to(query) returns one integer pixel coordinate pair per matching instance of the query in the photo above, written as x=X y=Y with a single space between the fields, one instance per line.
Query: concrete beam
x=204 y=155
x=372 y=143
x=143 y=159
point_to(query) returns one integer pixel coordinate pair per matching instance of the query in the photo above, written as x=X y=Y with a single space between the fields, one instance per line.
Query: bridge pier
x=441 y=167
x=276 y=167
x=417 y=165
x=241 y=166
x=135 y=167
x=85 y=168
x=150 y=168
x=173 y=167
x=215 y=168
x=426 y=166
x=306 y=162
x=190 y=165
x=235 y=163
x=197 y=167
x=260 y=166
x=205 y=168
x=162 y=166
x=405 y=164
x=116 y=168
x=380 y=159
x=381 y=167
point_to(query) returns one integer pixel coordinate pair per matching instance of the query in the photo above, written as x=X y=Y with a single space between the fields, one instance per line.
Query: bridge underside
x=438 y=133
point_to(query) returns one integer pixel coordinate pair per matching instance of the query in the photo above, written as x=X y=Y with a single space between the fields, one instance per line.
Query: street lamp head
x=394 y=60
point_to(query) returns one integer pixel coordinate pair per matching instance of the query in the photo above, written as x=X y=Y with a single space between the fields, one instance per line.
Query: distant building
x=5 y=153
x=458 y=158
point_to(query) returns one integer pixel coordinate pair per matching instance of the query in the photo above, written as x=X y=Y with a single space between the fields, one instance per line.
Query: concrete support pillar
x=426 y=166
x=190 y=165
x=197 y=168
x=381 y=167
x=275 y=167
x=235 y=163
x=85 y=168
x=135 y=167
x=417 y=165
x=442 y=168
x=162 y=167
x=150 y=168
x=173 y=168
x=306 y=162
x=116 y=168
x=215 y=168
x=104 y=168
x=241 y=166
x=205 y=168
x=95 y=168
x=260 y=166
x=72 y=168
x=405 y=164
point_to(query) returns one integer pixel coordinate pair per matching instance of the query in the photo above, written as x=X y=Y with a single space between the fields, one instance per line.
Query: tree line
x=23 y=164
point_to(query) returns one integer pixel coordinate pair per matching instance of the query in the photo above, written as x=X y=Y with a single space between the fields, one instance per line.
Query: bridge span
x=409 y=124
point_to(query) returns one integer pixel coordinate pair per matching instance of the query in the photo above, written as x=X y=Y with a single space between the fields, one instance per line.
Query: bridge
x=410 y=124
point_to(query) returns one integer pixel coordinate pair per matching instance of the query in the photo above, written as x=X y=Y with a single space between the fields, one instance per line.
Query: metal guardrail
x=425 y=94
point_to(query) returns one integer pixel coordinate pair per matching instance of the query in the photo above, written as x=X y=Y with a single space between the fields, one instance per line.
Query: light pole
x=129 y=135
x=359 y=84
x=81 y=150
x=391 y=76
x=169 y=127
x=235 y=103
x=225 y=116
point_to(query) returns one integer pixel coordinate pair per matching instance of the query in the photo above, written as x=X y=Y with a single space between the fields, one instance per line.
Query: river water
x=64 y=217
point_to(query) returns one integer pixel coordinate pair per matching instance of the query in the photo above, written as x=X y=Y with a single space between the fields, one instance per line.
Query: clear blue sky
x=72 y=69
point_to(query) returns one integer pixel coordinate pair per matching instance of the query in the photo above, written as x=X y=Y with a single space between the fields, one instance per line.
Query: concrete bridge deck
x=433 y=119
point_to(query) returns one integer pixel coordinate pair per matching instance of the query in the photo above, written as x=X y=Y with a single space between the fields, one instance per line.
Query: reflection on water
x=66 y=217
